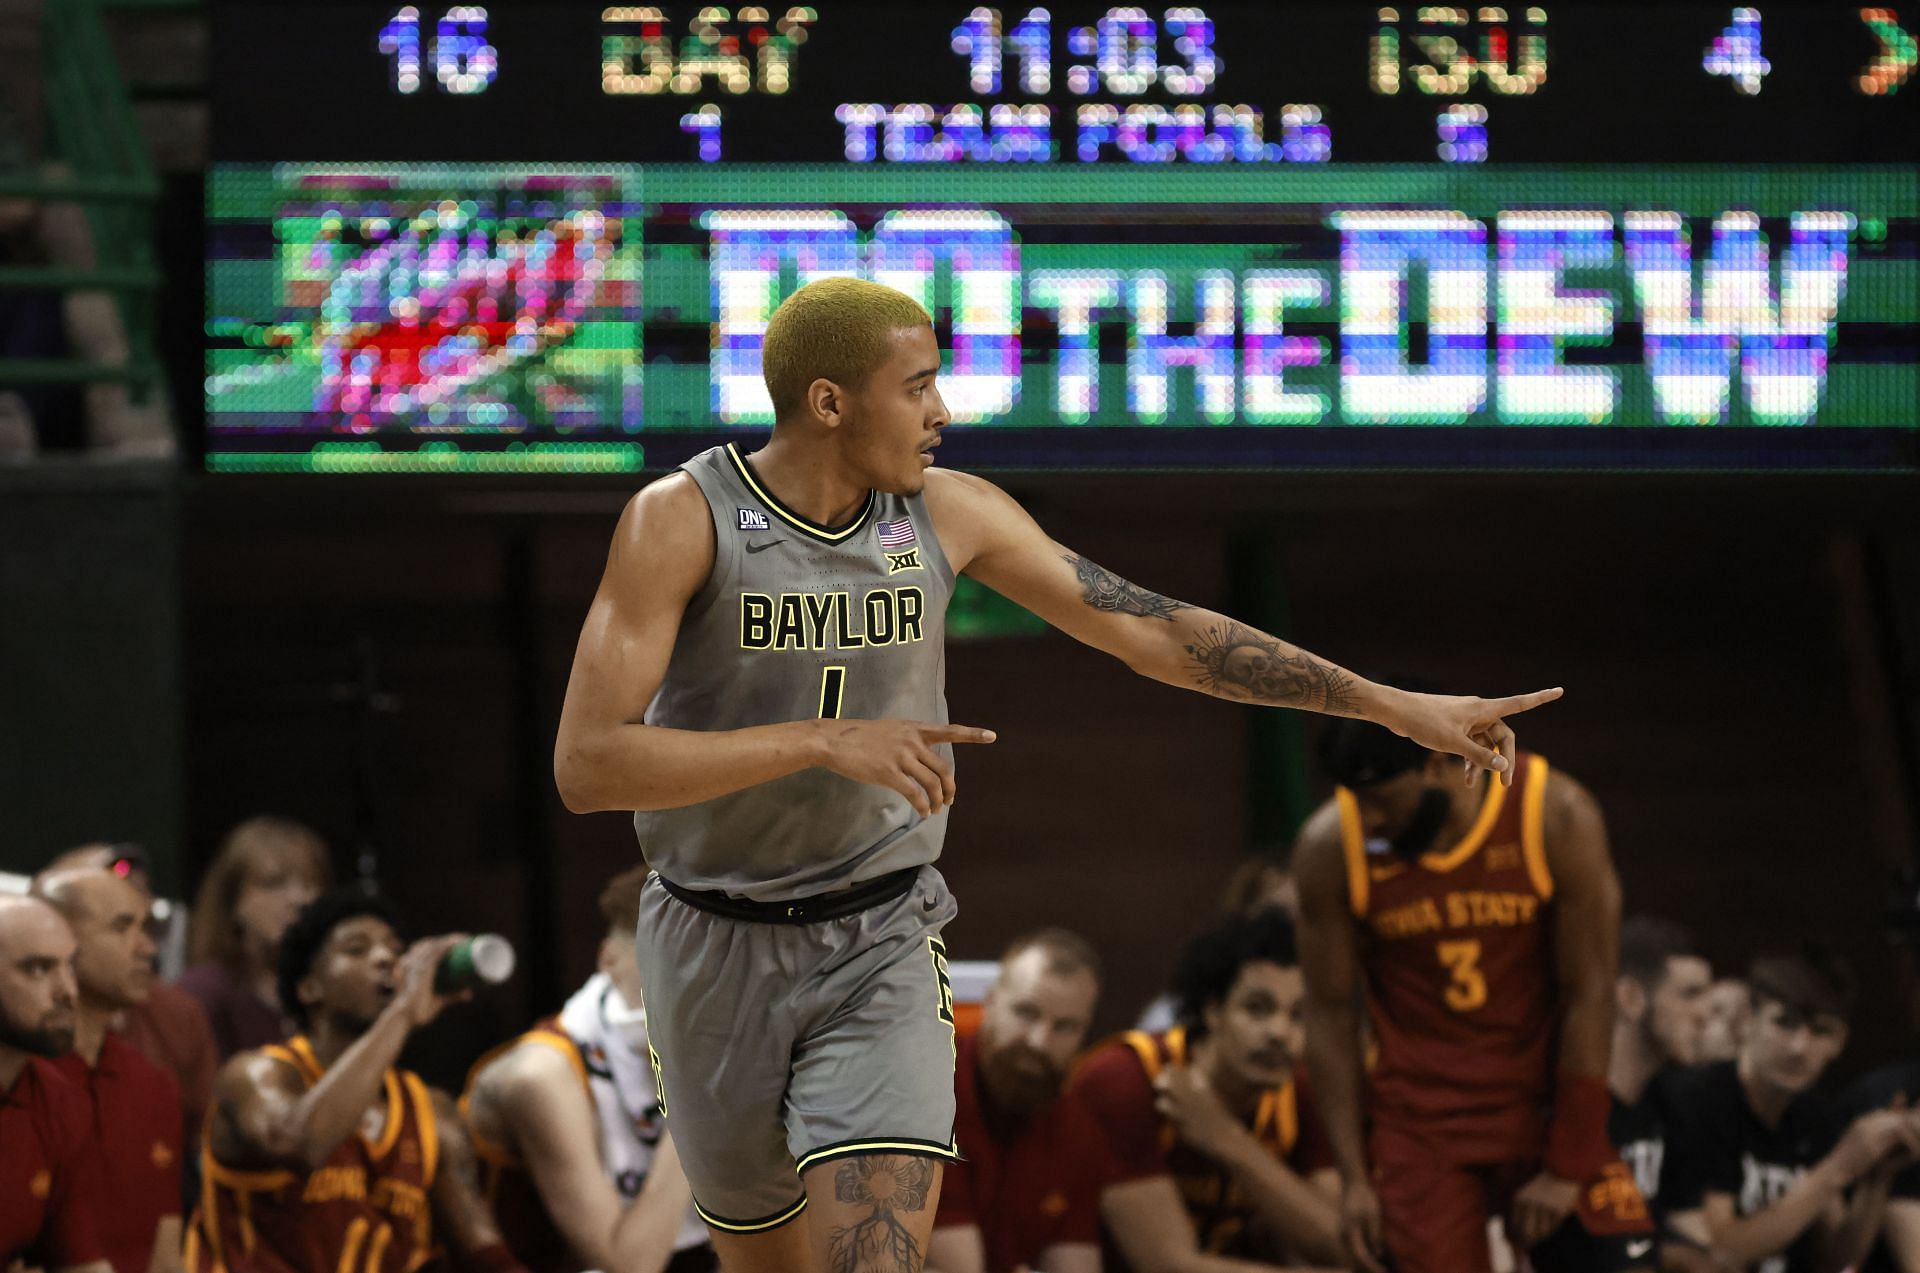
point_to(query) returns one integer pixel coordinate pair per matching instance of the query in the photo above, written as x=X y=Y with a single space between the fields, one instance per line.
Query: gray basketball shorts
x=779 y=1046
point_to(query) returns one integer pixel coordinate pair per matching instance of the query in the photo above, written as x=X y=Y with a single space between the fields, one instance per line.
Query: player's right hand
x=413 y=992
x=899 y=754
x=1475 y=729
x=1360 y=1226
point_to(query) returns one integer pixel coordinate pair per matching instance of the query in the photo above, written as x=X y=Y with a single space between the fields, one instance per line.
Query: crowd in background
x=146 y=1125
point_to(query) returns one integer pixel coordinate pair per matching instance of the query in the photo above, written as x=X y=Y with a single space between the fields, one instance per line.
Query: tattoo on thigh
x=881 y=1243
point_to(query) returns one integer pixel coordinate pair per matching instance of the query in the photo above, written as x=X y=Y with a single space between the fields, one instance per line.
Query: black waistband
x=817 y=909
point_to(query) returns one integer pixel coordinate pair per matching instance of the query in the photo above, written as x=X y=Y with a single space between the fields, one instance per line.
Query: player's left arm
x=1586 y=950
x=459 y=1210
x=987 y=535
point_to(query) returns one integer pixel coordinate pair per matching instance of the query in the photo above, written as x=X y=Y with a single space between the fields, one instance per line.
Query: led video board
x=1140 y=235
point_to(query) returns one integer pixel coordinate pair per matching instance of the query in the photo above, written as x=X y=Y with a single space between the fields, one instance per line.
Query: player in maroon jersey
x=320 y=1154
x=1481 y=923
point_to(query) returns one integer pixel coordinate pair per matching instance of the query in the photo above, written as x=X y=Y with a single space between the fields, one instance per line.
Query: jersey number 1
x=1468 y=989
x=833 y=684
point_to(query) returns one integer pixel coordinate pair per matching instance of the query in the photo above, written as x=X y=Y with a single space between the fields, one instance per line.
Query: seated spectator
x=1026 y=1192
x=266 y=870
x=136 y=1114
x=170 y=1028
x=1726 y=1024
x=1660 y=1005
x=1894 y=1086
x=566 y=1122
x=321 y=1154
x=1898 y=1084
x=1754 y=1169
x=50 y=1197
x=1217 y=1149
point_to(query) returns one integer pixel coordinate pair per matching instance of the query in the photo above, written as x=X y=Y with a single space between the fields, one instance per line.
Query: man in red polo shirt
x=136 y=1111
x=1219 y=1165
x=49 y=1181
x=1026 y=1193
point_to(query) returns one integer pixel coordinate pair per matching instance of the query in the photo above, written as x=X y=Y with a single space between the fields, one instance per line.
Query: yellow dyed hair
x=833 y=329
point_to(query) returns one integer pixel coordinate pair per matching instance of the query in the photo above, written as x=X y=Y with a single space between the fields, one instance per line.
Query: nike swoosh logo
x=761 y=545
x=1637 y=1249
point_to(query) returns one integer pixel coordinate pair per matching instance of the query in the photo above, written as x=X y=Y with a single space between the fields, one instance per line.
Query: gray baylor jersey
x=797 y=621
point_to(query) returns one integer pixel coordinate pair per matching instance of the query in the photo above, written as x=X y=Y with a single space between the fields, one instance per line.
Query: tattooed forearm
x=881 y=1243
x=1235 y=661
x=1108 y=591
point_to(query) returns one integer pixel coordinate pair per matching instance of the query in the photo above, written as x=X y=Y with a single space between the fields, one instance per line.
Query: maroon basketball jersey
x=365 y=1210
x=1458 y=956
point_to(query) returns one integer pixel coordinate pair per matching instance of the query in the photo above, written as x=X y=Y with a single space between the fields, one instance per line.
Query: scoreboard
x=547 y=237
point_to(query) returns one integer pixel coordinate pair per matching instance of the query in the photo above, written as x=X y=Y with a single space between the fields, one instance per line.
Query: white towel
x=612 y=1038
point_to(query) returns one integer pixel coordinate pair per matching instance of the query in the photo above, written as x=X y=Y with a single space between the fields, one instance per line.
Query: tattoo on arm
x=1235 y=661
x=889 y=1183
x=1108 y=591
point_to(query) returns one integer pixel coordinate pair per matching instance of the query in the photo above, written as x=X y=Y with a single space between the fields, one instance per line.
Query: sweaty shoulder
x=531 y=1069
x=1319 y=858
x=966 y=511
x=1567 y=797
x=665 y=537
x=255 y=1069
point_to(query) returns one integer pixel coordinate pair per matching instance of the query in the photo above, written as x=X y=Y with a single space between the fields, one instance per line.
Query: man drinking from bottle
x=320 y=1153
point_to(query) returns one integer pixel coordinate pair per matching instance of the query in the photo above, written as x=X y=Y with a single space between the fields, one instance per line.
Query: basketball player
x=575 y=1157
x=320 y=1154
x=1219 y=1163
x=760 y=676
x=1482 y=928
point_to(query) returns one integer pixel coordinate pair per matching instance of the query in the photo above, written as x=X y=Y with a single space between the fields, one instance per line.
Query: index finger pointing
x=1522 y=702
x=956 y=734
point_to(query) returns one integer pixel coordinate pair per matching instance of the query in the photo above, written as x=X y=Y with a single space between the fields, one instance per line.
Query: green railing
x=100 y=163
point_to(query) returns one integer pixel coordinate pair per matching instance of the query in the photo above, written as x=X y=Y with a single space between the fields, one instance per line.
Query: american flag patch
x=897 y=535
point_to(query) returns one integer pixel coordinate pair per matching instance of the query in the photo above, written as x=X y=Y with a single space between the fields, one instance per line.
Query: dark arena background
x=1497 y=347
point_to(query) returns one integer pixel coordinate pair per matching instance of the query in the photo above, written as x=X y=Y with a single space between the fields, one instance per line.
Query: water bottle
x=485 y=959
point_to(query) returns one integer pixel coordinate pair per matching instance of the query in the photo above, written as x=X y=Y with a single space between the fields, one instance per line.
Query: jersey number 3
x=1468 y=989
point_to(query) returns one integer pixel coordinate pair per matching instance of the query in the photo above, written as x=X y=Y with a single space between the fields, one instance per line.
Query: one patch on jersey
x=908 y=560
x=897 y=536
x=1378 y=845
x=753 y=519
